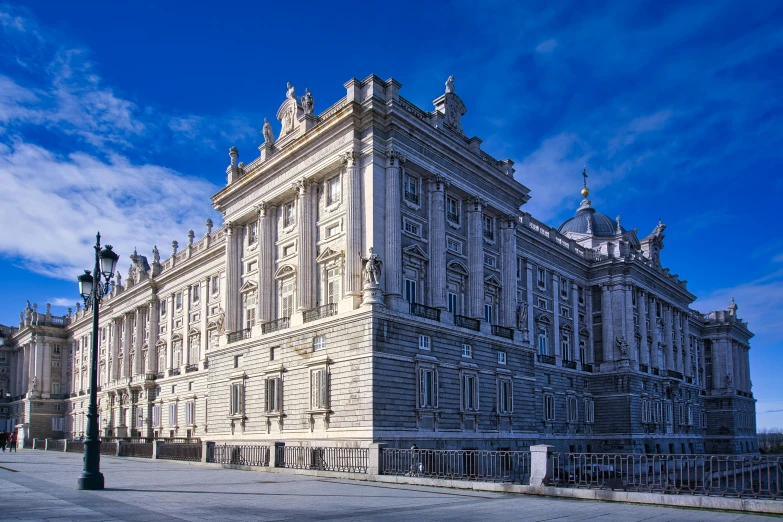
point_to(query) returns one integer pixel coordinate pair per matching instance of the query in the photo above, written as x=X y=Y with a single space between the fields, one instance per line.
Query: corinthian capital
x=396 y=158
x=349 y=158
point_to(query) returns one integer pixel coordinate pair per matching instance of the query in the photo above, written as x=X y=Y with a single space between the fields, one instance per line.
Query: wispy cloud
x=547 y=46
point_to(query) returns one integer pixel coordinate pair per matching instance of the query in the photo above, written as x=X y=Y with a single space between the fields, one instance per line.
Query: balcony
x=239 y=335
x=453 y=217
x=206 y=364
x=467 y=322
x=174 y=371
x=655 y=371
x=191 y=368
x=569 y=364
x=587 y=367
x=688 y=379
x=413 y=197
x=547 y=359
x=644 y=368
x=502 y=331
x=276 y=325
x=673 y=374
x=160 y=375
x=425 y=311
x=320 y=312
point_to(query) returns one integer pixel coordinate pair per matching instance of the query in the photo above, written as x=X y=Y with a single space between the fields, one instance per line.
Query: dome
x=588 y=221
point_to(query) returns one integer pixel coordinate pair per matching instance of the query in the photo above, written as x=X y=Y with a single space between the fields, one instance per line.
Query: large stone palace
x=374 y=280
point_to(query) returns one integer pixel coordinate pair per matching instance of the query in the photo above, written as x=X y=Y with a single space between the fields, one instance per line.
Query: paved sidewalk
x=38 y=485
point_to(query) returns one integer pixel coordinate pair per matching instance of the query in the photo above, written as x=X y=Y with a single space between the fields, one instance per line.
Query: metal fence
x=108 y=448
x=179 y=451
x=745 y=476
x=141 y=450
x=477 y=465
x=75 y=446
x=350 y=460
x=55 y=444
x=244 y=455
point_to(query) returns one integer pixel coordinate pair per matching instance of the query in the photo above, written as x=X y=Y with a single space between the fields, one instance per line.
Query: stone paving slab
x=43 y=487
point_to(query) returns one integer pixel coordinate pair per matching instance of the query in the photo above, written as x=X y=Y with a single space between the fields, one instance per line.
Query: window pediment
x=492 y=281
x=415 y=251
x=456 y=266
x=249 y=286
x=285 y=271
x=329 y=254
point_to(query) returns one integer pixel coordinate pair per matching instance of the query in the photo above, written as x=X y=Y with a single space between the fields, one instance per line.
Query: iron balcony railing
x=238 y=454
x=239 y=335
x=587 y=367
x=350 y=460
x=191 y=368
x=502 y=331
x=547 y=359
x=160 y=375
x=174 y=371
x=425 y=311
x=644 y=368
x=453 y=217
x=569 y=364
x=413 y=197
x=320 y=312
x=655 y=371
x=467 y=322
x=276 y=325
x=743 y=476
x=674 y=374
x=473 y=465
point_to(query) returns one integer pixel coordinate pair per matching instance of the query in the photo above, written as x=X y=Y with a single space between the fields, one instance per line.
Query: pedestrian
x=3 y=439
x=12 y=442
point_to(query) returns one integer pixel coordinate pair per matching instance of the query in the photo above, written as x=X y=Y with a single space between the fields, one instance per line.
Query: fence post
x=374 y=466
x=155 y=448
x=117 y=451
x=205 y=447
x=46 y=444
x=273 y=454
x=65 y=445
x=35 y=441
x=539 y=464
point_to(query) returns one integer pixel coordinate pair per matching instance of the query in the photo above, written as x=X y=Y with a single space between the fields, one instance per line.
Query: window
x=690 y=415
x=215 y=284
x=488 y=313
x=319 y=343
x=424 y=342
x=289 y=250
x=189 y=414
x=469 y=392
x=56 y=349
x=289 y=215
x=564 y=289
x=250 y=309
x=287 y=299
x=333 y=191
x=501 y=357
x=332 y=285
x=582 y=350
x=56 y=388
x=58 y=424
x=274 y=392
x=411 y=189
x=410 y=290
x=451 y=299
x=704 y=420
x=139 y=417
x=581 y=295
x=565 y=312
x=332 y=230
x=452 y=210
x=573 y=414
x=467 y=351
x=173 y=414
x=319 y=389
x=505 y=396
x=237 y=398
x=565 y=346
x=541 y=278
x=542 y=304
x=179 y=300
x=549 y=407
x=490 y=261
x=454 y=245
x=237 y=361
x=252 y=233
x=428 y=388
x=412 y=228
x=542 y=342
x=489 y=227
x=589 y=411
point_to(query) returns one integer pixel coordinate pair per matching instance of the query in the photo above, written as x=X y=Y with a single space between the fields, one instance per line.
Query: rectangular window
x=564 y=289
x=565 y=312
x=332 y=230
x=452 y=210
x=565 y=346
x=289 y=215
x=179 y=300
x=581 y=295
x=215 y=284
x=501 y=357
x=573 y=414
x=289 y=250
x=549 y=407
x=411 y=189
x=467 y=351
x=582 y=350
x=319 y=343
x=410 y=290
x=319 y=389
x=452 y=302
x=237 y=398
x=505 y=396
x=333 y=191
x=490 y=261
x=589 y=411
x=173 y=414
x=469 y=392
x=488 y=313
x=542 y=304
x=454 y=245
x=541 y=278
x=542 y=342
x=156 y=416
x=428 y=386
x=489 y=227
x=139 y=417
x=252 y=233
x=56 y=349
x=287 y=299
x=189 y=416
x=332 y=285
x=412 y=227
x=274 y=392
x=424 y=342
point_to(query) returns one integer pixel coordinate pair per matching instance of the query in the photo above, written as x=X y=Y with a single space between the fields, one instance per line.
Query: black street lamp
x=92 y=291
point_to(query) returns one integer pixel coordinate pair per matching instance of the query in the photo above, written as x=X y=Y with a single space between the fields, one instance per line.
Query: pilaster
x=630 y=329
x=393 y=261
x=556 y=344
x=437 y=291
x=233 y=306
x=678 y=344
x=529 y=299
x=475 y=209
x=575 y=320
x=607 y=343
x=266 y=245
x=644 y=346
x=45 y=381
x=354 y=231
x=667 y=336
x=508 y=239
x=306 y=259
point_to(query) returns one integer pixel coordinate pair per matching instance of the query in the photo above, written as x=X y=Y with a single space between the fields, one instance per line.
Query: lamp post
x=92 y=291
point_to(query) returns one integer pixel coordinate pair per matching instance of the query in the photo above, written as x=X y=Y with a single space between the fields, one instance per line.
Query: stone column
x=575 y=320
x=529 y=300
x=152 y=349
x=508 y=253
x=116 y=339
x=139 y=342
x=590 y=355
x=45 y=380
x=607 y=344
x=204 y=337
x=630 y=329
x=266 y=261
x=126 y=369
x=393 y=262
x=644 y=346
x=437 y=286
x=233 y=306
x=37 y=366
x=26 y=367
x=678 y=343
x=746 y=359
x=686 y=331
x=667 y=337
x=305 y=273
x=737 y=374
x=475 y=214
x=353 y=218
x=556 y=345
x=170 y=300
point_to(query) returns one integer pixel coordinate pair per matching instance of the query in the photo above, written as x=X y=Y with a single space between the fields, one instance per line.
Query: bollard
x=65 y=445
x=206 y=447
x=540 y=472
x=46 y=444
x=273 y=454
x=374 y=467
x=155 y=444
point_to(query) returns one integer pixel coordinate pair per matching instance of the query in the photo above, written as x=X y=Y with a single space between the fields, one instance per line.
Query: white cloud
x=547 y=46
x=62 y=301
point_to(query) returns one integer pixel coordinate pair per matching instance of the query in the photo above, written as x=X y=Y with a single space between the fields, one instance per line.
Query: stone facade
x=374 y=280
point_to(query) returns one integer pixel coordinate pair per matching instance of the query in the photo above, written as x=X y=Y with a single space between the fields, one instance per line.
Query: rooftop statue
x=291 y=92
x=308 y=104
x=269 y=137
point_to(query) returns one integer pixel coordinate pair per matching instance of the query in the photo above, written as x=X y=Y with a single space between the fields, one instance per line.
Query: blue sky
x=120 y=119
